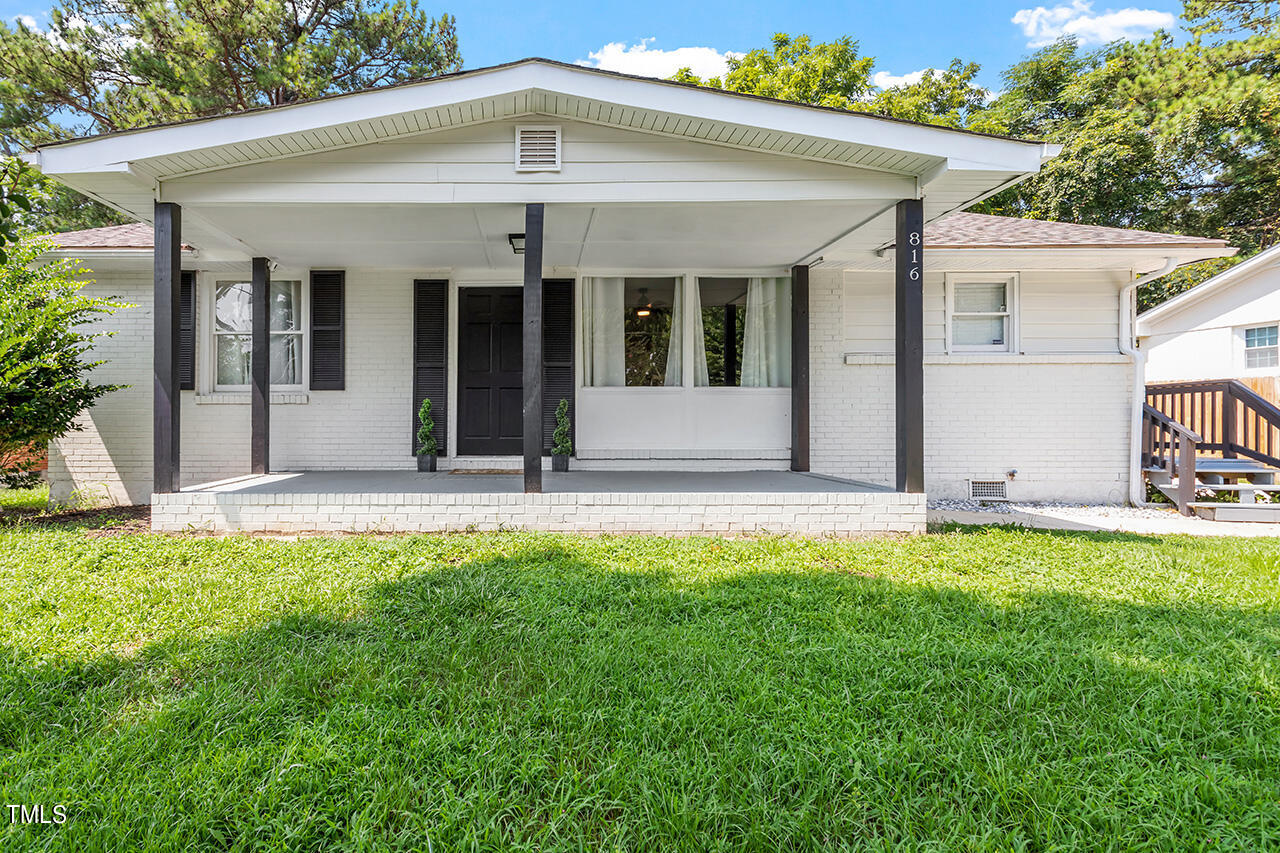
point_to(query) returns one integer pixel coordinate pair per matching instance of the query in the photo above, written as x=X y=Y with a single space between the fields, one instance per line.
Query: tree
x=1156 y=134
x=1162 y=135
x=949 y=97
x=794 y=69
x=109 y=65
x=13 y=198
x=43 y=345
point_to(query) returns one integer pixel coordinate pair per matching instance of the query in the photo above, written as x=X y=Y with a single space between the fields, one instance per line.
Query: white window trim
x=1242 y=348
x=1013 y=342
x=206 y=291
x=520 y=128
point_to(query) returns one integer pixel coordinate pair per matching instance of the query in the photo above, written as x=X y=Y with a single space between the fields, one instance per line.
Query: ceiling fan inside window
x=645 y=304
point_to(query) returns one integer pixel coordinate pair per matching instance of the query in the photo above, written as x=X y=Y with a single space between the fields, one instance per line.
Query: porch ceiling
x=474 y=237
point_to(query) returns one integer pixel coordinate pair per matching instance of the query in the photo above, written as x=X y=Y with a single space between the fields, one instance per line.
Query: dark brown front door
x=490 y=377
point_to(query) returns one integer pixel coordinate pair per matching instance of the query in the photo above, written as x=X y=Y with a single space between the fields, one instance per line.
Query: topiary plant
x=561 y=443
x=426 y=441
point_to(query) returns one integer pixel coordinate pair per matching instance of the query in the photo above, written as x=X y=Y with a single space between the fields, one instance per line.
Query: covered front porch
x=489 y=242
x=680 y=503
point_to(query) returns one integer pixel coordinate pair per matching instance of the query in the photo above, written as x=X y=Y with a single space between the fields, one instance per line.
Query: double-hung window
x=233 y=334
x=981 y=312
x=1262 y=347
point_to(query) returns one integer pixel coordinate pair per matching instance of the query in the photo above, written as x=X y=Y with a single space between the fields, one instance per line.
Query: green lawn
x=991 y=689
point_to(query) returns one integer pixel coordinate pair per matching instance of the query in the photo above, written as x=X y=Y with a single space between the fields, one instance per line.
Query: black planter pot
x=559 y=463
x=427 y=462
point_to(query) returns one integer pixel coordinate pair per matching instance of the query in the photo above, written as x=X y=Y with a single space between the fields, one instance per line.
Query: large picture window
x=738 y=331
x=233 y=334
x=632 y=331
x=746 y=331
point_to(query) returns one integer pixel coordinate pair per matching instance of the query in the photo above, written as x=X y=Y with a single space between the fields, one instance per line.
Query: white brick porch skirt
x=808 y=513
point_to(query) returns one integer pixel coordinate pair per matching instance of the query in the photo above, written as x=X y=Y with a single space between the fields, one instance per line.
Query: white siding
x=477 y=164
x=1205 y=340
x=1060 y=312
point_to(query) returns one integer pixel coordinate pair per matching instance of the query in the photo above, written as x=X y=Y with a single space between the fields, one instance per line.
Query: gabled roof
x=977 y=230
x=957 y=231
x=537 y=87
x=519 y=62
x=1212 y=288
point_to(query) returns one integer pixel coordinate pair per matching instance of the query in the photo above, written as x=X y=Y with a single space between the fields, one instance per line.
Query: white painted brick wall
x=808 y=514
x=365 y=427
x=1063 y=426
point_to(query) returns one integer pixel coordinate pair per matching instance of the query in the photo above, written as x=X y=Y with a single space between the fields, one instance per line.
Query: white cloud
x=1043 y=26
x=885 y=80
x=26 y=20
x=645 y=61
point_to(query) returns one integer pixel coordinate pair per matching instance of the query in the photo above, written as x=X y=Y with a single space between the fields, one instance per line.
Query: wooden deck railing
x=1169 y=446
x=1232 y=419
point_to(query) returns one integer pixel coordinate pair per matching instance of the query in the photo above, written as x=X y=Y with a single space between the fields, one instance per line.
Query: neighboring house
x=1225 y=328
x=721 y=283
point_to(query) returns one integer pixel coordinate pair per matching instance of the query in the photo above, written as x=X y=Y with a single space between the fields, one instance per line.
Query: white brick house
x=720 y=284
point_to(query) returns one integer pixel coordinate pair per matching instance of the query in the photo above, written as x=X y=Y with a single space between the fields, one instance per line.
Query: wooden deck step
x=1216 y=465
x=1237 y=512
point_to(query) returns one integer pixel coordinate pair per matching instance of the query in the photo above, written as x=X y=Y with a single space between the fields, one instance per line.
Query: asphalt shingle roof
x=959 y=230
x=978 y=230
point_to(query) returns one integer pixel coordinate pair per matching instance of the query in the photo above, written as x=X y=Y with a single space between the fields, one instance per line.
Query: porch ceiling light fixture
x=643 y=305
x=517 y=243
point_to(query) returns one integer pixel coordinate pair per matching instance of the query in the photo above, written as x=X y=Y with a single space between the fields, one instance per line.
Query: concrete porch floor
x=573 y=482
x=662 y=502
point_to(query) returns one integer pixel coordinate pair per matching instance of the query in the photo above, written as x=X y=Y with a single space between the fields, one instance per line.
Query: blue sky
x=656 y=36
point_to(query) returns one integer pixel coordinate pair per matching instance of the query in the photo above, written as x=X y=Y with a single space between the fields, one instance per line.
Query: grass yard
x=991 y=689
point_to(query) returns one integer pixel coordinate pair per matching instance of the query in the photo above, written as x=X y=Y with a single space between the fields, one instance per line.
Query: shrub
x=426 y=441
x=43 y=348
x=561 y=443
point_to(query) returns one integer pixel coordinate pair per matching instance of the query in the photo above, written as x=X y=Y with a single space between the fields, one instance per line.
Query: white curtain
x=604 y=362
x=766 y=338
x=675 y=348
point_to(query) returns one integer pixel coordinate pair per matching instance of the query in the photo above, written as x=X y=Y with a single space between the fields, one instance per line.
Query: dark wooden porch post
x=909 y=349
x=260 y=370
x=800 y=368
x=165 y=436
x=533 y=216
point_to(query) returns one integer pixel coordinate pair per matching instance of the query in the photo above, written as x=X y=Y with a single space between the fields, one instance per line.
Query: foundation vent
x=537 y=148
x=987 y=490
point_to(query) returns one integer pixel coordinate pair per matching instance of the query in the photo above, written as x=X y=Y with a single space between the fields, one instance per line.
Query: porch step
x=1237 y=512
x=1237 y=467
x=1171 y=489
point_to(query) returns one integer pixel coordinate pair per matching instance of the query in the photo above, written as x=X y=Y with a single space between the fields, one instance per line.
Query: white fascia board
x=92 y=155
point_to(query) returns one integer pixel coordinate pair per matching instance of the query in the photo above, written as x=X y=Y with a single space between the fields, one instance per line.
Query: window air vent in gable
x=537 y=148
x=987 y=490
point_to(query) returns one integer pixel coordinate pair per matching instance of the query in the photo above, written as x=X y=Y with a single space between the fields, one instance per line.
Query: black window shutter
x=430 y=345
x=557 y=355
x=187 y=331
x=328 y=333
